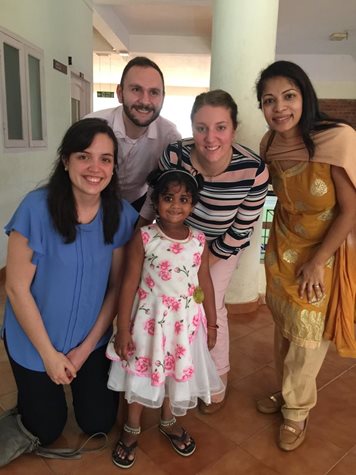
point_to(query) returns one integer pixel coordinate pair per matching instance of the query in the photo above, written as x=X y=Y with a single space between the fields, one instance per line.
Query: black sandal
x=127 y=449
x=190 y=446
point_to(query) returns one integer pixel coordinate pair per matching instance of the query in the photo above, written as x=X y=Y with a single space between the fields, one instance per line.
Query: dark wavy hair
x=216 y=98
x=142 y=62
x=159 y=181
x=312 y=119
x=61 y=202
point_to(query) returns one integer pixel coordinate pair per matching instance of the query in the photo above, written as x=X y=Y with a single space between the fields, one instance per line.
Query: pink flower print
x=196 y=320
x=145 y=237
x=201 y=238
x=165 y=270
x=165 y=275
x=180 y=351
x=176 y=248
x=169 y=362
x=188 y=373
x=196 y=259
x=171 y=302
x=191 y=289
x=155 y=379
x=182 y=269
x=150 y=282
x=178 y=327
x=175 y=304
x=150 y=326
x=142 y=294
x=142 y=364
x=164 y=265
x=164 y=339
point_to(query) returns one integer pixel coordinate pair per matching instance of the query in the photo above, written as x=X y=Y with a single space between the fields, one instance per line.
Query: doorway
x=80 y=97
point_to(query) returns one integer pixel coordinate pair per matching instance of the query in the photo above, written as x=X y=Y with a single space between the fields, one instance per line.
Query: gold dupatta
x=337 y=147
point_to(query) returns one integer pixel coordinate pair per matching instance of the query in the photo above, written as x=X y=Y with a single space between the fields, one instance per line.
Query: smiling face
x=213 y=133
x=141 y=95
x=91 y=170
x=282 y=105
x=174 y=204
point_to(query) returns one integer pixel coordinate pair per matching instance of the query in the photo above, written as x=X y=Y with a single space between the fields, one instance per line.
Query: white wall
x=333 y=76
x=61 y=29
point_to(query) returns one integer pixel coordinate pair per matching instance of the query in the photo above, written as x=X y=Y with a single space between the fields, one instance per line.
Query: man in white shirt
x=142 y=134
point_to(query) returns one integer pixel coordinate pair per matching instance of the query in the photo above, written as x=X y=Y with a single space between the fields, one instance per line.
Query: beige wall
x=333 y=76
x=335 y=89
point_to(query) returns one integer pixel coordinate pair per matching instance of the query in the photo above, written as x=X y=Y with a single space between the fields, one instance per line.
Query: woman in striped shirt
x=230 y=203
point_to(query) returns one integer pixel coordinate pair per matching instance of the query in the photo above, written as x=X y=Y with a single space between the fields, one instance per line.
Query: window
x=22 y=93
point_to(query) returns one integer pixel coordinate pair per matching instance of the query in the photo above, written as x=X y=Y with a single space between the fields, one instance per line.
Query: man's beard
x=136 y=121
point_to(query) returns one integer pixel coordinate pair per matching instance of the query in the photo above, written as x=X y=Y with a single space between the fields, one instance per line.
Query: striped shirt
x=229 y=204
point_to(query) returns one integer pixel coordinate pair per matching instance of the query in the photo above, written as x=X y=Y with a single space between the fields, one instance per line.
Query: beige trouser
x=297 y=369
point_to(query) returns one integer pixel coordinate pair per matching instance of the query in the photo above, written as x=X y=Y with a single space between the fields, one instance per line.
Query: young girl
x=166 y=321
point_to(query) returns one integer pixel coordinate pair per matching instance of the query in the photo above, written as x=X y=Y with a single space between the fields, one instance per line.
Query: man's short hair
x=142 y=62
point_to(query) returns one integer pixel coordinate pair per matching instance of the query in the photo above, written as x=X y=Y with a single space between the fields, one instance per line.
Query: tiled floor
x=237 y=440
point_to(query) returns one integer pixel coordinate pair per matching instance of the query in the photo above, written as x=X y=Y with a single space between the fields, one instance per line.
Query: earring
x=65 y=168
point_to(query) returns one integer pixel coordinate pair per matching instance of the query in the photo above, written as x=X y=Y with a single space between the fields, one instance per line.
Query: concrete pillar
x=243 y=43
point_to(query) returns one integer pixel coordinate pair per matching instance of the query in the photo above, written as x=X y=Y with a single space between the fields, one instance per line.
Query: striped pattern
x=230 y=203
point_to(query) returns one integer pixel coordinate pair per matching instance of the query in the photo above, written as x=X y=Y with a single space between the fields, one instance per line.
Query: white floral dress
x=170 y=356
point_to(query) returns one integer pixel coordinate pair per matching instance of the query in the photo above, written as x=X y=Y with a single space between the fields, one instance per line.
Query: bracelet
x=213 y=327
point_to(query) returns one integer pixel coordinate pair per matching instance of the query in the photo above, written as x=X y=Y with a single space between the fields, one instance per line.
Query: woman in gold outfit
x=311 y=253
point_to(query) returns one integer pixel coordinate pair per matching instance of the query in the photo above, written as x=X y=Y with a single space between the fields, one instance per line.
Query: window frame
x=25 y=50
x=36 y=53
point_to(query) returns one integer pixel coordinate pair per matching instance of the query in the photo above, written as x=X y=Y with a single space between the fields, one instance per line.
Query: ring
x=316 y=285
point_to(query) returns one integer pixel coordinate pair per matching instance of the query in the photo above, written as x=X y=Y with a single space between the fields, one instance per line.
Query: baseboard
x=245 y=307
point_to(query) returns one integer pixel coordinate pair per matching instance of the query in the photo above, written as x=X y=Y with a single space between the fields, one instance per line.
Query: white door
x=80 y=97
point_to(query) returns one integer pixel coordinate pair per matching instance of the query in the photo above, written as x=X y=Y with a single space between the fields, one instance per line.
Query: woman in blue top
x=65 y=255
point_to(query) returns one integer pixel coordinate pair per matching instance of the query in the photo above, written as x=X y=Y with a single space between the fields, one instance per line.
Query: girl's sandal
x=189 y=447
x=126 y=462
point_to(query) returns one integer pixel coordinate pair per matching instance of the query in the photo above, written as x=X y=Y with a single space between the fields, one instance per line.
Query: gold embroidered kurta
x=304 y=212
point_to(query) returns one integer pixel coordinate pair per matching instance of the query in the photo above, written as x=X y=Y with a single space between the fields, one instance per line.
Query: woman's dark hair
x=216 y=98
x=61 y=202
x=312 y=119
x=159 y=180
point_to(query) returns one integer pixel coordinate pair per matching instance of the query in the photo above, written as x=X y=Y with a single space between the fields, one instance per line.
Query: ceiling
x=177 y=33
